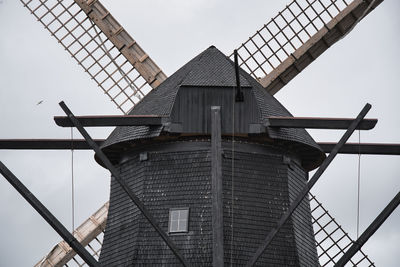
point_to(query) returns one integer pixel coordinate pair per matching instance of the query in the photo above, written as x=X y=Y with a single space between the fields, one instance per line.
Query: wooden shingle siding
x=304 y=233
x=175 y=172
x=176 y=175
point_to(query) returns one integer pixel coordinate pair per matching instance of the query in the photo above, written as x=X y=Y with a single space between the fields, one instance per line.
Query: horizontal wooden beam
x=363 y=148
x=110 y=121
x=43 y=144
x=80 y=144
x=319 y=123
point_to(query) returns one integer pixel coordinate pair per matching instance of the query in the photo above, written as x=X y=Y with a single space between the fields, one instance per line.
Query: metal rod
x=124 y=185
x=372 y=228
x=239 y=94
x=48 y=216
x=105 y=121
x=319 y=123
x=216 y=188
x=308 y=186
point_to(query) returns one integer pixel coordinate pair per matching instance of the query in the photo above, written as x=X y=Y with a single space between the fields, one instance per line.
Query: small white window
x=178 y=220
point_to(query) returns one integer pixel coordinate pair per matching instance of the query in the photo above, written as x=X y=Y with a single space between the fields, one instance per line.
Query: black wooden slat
x=43 y=144
x=105 y=121
x=124 y=185
x=48 y=216
x=80 y=144
x=319 y=123
x=286 y=215
x=363 y=148
x=372 y=228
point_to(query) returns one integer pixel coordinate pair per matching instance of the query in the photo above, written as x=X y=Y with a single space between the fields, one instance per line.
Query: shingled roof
x=208 y=78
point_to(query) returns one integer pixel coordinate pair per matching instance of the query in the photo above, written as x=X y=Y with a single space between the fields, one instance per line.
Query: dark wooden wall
x=193 y=104
x=179 y=175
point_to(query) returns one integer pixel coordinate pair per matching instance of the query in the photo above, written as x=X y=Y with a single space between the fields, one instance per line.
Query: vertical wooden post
x=216 y=187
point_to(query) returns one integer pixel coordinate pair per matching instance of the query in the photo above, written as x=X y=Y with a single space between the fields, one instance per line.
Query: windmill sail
x=89 y=234
x=295 y=37
x=91 y=35
x=332 y=241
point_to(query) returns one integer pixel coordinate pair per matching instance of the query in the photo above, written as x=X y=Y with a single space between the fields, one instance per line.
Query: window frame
x=170 y=220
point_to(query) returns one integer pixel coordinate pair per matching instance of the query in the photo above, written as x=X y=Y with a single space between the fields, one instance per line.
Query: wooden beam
x=48 y=216
x=216 y=188
x=304 y=191
x=333 y=31
x=319 y=123
x=80 y=144
x=111 y=121
x=124 y=185
x=147 y=68
x=49 y=144
x=62 y=253
x=363 y=148
x=374 y=226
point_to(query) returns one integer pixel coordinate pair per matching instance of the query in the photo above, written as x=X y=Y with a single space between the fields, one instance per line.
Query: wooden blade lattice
x=90 y=234
x=300 y=33
x=93 y=247
x=101 y=46
x=332 y=240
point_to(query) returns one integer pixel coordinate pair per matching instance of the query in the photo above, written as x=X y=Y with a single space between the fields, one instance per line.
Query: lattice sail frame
x=294 y=38
x=285 y=33
x=331 y=240
x=101 y=46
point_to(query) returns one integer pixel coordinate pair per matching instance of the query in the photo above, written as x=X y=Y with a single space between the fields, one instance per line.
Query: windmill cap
x=186 y=97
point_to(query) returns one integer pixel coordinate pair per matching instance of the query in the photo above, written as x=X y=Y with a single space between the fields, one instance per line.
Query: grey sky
x=363 y=67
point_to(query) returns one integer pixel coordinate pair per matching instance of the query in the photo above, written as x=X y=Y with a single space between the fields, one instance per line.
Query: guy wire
x=72 y=181
x=358 y=183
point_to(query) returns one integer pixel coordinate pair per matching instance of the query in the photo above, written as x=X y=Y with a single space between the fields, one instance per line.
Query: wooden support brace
x=216 y=188
x=374 y=226
x=125 y=187
x=304 y=191
x=48 y=216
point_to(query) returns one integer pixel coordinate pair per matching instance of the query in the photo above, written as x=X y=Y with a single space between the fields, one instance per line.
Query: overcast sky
x=361 y=68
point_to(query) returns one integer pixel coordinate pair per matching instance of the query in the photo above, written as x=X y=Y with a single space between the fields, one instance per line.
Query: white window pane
x=173 y=227
x=183 y=225
x=178 y=220
x=175 y=215
x=184 y=214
